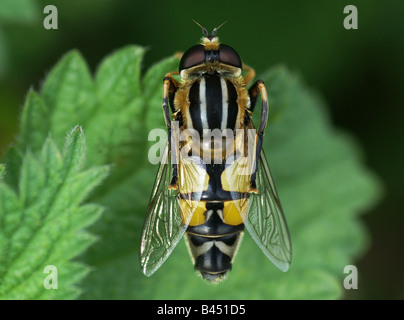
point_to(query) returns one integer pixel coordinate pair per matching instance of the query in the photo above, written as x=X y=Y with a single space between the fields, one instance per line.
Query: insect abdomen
x=213 y=244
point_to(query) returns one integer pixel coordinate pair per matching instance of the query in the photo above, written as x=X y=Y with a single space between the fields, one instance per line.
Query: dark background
x=358 y=72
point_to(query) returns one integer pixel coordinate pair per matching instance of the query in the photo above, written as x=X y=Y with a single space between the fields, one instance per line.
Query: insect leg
x=258 y=88
x=170 y=86
x=250 y=74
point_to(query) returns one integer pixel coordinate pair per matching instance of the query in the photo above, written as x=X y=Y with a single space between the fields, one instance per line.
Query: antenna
x=205 y=31
x=217 y=28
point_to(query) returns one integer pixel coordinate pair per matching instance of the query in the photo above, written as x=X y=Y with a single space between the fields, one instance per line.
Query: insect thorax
x=213 y=101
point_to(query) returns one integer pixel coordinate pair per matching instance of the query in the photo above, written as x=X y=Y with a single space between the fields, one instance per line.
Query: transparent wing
x=265 y=220
x=165 y=223
x=163 y=227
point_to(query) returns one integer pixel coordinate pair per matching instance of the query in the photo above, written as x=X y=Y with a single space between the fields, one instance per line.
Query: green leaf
x=68 y=93
x=119 y=107
x=2 y=170
x=318 y=170
x=70 y=96
x=18 y=10
x=153 y=91
x=42 y=224
x=75 y=151
x=13 y=160
x=117 y=78
x=34 y=124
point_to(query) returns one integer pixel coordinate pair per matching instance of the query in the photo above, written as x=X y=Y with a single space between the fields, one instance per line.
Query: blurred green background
x=358 y=72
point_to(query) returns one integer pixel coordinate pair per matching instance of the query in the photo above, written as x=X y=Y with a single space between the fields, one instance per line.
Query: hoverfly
x=212 y=203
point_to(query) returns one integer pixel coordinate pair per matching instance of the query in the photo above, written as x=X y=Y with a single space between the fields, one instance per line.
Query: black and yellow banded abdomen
x=214 y=243
x=216 y=226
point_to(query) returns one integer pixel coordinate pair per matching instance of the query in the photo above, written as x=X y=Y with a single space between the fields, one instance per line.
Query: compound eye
x=229 y=56
x=192 y=57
